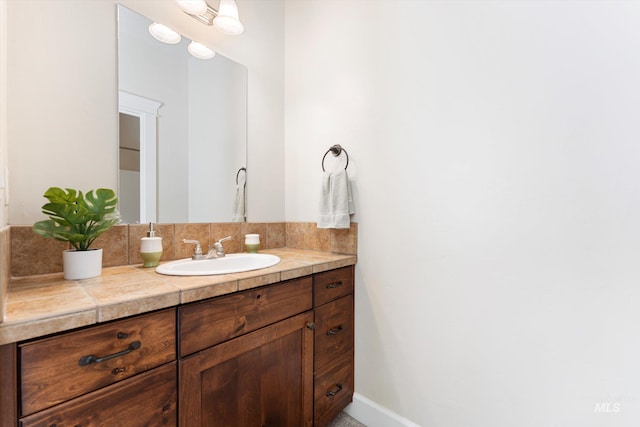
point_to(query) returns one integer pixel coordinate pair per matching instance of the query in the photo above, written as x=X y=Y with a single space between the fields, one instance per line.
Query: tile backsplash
x=29 y=254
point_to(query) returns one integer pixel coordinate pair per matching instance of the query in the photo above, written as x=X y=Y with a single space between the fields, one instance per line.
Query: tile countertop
x=41 y=305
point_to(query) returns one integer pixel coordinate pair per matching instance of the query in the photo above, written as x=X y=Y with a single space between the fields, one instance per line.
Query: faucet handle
x=197 y=254
x=224 y=239
x=218 y=249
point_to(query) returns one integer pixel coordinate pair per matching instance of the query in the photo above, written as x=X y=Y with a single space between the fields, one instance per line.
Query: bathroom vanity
x=275 y=354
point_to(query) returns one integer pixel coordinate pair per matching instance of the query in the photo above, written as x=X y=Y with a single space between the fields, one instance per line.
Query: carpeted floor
x=344 y=420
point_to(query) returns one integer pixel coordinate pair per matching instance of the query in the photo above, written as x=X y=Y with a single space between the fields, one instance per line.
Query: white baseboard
x=371 y=414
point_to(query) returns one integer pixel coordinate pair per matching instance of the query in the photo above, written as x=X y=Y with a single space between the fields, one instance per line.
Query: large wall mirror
x=183 y=130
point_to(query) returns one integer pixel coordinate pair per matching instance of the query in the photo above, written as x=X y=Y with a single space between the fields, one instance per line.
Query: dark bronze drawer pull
x=332 y=393
x=335 y=331
x=87 y=360
x=334 y=285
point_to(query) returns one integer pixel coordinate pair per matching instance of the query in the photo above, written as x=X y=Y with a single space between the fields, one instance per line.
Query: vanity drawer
x=332 y=284
x=56 y=369
x=211 y=322
x=333 y=389
x=148 y=399
x=334 y=330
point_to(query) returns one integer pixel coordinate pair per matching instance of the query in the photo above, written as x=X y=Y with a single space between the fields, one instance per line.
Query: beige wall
x=62 y=98
x=494 y=150
x=3 y=114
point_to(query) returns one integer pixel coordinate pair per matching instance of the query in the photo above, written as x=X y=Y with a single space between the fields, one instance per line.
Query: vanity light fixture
x=200 y=51
x=225 y=19
x=164 y=34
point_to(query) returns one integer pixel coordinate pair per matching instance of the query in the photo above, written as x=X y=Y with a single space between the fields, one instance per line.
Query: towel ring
x=336 y=150
x=238 y=174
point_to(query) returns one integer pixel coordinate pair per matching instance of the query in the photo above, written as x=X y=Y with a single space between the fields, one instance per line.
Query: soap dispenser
x=151 y=248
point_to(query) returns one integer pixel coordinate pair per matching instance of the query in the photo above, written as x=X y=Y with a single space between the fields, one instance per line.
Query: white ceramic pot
x=82 y=264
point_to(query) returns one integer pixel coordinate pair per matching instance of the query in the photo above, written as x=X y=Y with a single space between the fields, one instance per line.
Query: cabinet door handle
x=335 y=391
x=335 y=331
x=334 y=284
x=87 y=360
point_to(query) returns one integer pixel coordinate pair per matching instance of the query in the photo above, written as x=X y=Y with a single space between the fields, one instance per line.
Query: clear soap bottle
x=151 y=248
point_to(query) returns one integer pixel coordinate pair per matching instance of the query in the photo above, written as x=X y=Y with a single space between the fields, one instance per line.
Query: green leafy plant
x=78 y=218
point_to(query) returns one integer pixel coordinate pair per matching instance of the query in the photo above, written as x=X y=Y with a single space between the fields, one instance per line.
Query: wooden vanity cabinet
x=334 y=342
x=278 y=355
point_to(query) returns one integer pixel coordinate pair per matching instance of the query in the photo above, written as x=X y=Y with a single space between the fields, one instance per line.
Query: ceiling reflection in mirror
x=183 y=130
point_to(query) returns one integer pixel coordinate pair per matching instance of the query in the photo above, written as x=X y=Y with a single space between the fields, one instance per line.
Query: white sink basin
x=232 y=263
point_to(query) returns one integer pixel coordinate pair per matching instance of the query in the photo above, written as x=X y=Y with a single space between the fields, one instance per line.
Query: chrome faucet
x=217 y=251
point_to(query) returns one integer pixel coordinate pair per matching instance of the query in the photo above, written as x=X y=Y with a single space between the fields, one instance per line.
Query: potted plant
x=79 y=219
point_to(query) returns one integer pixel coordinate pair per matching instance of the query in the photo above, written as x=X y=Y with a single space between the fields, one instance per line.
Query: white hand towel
x=336 y=202
x=239 y=212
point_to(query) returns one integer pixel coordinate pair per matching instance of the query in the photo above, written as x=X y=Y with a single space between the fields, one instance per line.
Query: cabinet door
x=148 y=399
x=264 y=378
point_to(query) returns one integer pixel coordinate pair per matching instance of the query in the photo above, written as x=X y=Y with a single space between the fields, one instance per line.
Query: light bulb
x=200 y=51
x=193 y=7
x=164 y=34
x=227 y=20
